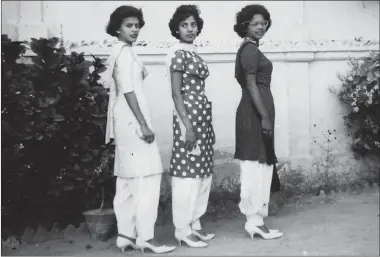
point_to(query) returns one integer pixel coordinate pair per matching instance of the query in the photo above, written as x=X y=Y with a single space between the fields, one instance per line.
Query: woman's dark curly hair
x=182 y=13
x=117 y=17
x=245 y=16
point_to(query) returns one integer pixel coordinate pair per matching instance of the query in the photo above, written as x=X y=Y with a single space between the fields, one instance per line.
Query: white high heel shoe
x=155 y=249
x=270 y=230
x=207 y=237
x=123 y=242
x=191 y=243
x=273 y=234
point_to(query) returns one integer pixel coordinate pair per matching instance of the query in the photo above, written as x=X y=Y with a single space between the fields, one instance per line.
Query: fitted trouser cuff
x=255 y=181
x=196 y=225
x=190 y=197
x=255 y=220
x=136 y=205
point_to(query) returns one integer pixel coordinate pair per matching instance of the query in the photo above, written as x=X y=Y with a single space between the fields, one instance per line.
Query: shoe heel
x=190 y=243
x=155 y=249
x=123 y=243
x=273 y=234
x=201 y=237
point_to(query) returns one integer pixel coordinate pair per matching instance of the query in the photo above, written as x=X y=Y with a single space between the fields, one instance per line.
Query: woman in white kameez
x=138 y=164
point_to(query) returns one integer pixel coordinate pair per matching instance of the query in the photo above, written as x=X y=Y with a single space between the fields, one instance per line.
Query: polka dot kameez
x=199 y=110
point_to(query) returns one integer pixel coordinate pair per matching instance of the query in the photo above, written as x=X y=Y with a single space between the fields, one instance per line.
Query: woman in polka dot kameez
x=191 y=164
x=183 y=163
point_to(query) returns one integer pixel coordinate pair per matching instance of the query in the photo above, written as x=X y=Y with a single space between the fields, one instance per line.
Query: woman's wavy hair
x=244 y=17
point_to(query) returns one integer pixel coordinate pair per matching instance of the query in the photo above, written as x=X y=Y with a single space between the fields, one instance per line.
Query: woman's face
x=188 y=30
x=129 y=30
x=257 y=27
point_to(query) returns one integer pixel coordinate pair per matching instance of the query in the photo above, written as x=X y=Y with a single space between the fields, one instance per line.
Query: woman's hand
x=190 y=139
x=147 y=134
x=266 y=126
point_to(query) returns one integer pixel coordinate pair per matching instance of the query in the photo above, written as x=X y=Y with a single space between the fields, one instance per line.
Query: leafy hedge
x=53 y=123
x=360 y=91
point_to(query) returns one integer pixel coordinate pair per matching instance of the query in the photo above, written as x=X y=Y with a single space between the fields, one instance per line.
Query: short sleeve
x=178 y=61
x=124 y=76
x=250 y=58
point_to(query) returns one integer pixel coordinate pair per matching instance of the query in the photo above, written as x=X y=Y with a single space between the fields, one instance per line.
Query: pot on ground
x=101 y=223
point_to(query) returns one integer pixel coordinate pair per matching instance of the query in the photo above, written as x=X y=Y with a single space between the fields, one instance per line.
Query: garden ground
x=336 y=224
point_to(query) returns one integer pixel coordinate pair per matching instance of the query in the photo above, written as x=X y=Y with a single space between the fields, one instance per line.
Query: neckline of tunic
x=186 y=47
x=250 y=40
x=137 y=59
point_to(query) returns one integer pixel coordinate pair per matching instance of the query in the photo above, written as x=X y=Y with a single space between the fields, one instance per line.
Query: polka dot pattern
x=192 y=65
x=199 y=110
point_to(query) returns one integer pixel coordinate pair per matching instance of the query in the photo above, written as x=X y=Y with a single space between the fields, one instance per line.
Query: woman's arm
x=176 y=78
x=135 y=107
x=255 y=95
x=176 y=71
x=125 y=84
x=250 y=60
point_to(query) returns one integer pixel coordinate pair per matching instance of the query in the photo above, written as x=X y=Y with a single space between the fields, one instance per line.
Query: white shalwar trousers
x=255 y=179
x=136 y=205
x=189 y=202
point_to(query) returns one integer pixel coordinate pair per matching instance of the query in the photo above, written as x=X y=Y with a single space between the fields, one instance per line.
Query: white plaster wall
x=292 y=20
x=302 y=97
x=301 y=77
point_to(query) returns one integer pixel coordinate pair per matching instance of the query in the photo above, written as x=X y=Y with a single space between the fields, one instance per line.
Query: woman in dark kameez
x=255 y=117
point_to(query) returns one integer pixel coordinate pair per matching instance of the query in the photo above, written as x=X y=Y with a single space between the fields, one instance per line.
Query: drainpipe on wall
x=303 y=20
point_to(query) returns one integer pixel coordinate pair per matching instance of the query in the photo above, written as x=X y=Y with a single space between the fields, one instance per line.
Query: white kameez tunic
x=133 y=156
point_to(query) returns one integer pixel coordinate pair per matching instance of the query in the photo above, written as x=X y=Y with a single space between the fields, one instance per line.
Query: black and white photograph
x=191 y=128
